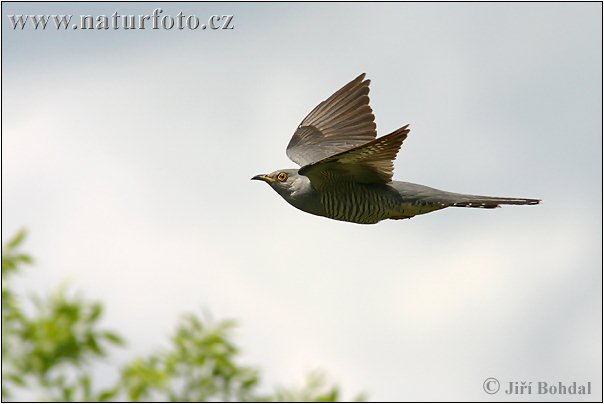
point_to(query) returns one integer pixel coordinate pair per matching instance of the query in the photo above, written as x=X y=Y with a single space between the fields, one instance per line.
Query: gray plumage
x=346 y=172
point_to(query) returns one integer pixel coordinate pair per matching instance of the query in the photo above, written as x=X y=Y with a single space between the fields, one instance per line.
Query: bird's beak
x=263 y=177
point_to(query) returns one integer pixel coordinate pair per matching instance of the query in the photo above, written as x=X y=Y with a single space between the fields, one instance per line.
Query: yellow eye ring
x=282 y=177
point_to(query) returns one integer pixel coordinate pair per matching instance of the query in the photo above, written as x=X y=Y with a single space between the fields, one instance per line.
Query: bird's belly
x=409 y=209
x=359 y=203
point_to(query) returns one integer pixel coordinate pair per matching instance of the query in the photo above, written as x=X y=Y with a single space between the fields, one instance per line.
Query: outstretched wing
x=370 y=163
x=339 y=123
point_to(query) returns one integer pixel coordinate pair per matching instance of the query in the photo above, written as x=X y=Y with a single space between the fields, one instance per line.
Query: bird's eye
x=282 y=177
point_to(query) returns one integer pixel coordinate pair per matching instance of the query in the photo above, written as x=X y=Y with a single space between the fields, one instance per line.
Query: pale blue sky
x=127 y=154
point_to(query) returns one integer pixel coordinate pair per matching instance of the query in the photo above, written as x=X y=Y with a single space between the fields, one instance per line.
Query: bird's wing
x=339 y=123
x=370 y=163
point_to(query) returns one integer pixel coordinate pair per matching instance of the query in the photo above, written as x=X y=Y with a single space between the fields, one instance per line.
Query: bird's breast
x=359 y=203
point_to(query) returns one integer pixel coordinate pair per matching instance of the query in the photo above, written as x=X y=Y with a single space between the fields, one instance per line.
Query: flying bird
x=346 y=172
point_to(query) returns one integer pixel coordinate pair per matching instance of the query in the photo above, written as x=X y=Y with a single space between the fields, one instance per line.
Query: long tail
x=422 y=195
x=489 y=202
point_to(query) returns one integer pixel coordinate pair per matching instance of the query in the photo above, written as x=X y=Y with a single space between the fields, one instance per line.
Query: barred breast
x=360 y=203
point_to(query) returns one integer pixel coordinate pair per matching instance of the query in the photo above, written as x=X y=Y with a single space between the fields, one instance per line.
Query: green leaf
x=14 y=378
x=95 y=312
x=107 y=395
x=24 y=258
x=16 y=240
x=86 y=387
x=113 y=338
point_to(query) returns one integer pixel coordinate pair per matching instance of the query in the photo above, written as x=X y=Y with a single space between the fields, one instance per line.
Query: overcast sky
x=128 y=154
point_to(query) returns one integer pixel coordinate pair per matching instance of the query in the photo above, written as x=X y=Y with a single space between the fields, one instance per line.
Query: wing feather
x=341 y=122
x=370 y=163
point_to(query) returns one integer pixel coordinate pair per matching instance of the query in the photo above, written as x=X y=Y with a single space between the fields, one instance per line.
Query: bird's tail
x=425 y=196
x=488 y=202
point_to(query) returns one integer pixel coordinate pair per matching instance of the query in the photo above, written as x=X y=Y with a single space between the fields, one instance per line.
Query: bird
x=346 y=172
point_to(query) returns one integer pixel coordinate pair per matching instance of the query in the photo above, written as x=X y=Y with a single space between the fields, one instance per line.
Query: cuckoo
x=346 y=172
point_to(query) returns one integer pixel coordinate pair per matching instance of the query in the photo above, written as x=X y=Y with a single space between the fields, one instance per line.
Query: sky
x=128 y=154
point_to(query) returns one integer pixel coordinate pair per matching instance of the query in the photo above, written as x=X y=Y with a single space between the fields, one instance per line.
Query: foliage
x=199 y=366
x=316 y=390
x=54 y=347
x=53 y=350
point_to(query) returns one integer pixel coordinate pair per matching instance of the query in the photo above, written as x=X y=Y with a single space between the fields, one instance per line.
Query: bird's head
x=285 y=182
